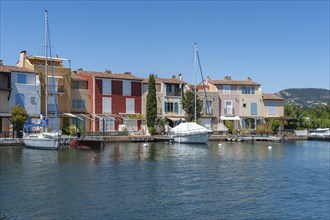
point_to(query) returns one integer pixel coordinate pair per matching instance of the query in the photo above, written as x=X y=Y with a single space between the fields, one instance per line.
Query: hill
x=306 y=97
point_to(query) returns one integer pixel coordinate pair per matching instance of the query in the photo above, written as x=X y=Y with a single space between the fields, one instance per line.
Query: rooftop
x=9 y=69
x=108 y=74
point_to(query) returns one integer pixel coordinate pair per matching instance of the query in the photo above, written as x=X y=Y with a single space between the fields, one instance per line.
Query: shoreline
x=161 y=138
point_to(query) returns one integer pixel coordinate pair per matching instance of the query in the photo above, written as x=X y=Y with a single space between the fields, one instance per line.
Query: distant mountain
x=306 y=97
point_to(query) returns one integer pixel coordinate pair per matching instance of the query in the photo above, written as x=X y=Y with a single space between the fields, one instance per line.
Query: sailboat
x=191 y=132
x=44 y=139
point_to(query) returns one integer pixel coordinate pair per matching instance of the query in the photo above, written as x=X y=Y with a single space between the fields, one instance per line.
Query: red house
x=114 y=98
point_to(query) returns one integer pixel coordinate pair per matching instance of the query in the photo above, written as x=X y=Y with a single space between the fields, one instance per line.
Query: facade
x=115 y=100
x=18 y=86
x=273 y=106
x=61 y=87
x=80 y=102
x=169 y=96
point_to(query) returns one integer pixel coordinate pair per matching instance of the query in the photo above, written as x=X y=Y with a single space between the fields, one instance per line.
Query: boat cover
x=190 y=128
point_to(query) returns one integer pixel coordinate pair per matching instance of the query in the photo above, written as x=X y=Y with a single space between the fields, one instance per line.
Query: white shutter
x=130 y=106
x=106 y=105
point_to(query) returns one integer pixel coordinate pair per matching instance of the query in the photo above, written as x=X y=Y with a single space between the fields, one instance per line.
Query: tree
x=19 y=116
x=188 y=105
x=151 y=104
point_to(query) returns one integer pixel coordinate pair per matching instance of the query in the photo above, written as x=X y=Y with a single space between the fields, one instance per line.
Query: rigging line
x=207 y=103
x=53 y=80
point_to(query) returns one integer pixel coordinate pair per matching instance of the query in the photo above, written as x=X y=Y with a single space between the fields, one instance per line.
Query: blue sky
x=279 y=44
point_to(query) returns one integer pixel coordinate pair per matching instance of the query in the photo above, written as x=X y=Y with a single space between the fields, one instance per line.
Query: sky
x=279 y=44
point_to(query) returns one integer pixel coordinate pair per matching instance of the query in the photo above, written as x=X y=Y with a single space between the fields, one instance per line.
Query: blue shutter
x=254 y=109
x=21 y=78
x=176 y=107
x=166 y=107
x=252 y=90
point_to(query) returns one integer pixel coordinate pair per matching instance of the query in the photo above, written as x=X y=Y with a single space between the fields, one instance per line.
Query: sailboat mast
x=46 y=64
x=195 y=72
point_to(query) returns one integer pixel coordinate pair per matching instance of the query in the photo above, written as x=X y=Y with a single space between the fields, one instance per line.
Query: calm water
x=168 y=181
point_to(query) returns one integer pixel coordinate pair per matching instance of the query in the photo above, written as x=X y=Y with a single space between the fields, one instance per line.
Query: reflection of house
x=60 y=86
x=169 y=96
x=114 y=100
x=18 y=86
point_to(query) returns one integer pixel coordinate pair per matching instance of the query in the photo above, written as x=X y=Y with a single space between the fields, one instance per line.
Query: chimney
x=227 y=77
x=22 y=58
x=208 y=79
x=108 y=71
x=180 y=76
x=1 y=63
x=79 y=69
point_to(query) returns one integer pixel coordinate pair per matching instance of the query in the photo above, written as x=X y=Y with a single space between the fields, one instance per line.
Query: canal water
x=168 y=181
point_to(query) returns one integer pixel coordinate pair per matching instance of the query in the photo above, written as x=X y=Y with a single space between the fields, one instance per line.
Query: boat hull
x=201 y=138
x=42 y=143
x=86 y=144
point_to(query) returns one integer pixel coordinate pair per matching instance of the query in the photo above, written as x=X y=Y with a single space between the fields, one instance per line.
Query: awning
x=176 y=118
x=5 y=115
x=72 y=115
x=233 y=118
x=101 y=116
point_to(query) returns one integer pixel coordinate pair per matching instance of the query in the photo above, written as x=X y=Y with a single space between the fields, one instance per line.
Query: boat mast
x=46 y=65
x=195 y=72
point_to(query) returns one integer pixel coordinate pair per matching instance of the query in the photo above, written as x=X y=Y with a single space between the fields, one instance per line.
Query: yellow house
x=61 y=87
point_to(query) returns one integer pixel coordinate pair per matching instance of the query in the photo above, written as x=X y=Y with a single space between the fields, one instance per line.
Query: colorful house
x=169 y=96
x=18 y=86
x=115 y=100
x=61 y=87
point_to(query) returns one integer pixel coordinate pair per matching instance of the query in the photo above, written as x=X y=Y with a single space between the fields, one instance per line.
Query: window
x=74 y=103
x=81 y=103
x=106 y=105
x=75 y=84
x=33 y=100
x=272 y=108
x=247 y=90
x=145 y=88
x=229 y=107
x=130 y=106
x=19 y=99
x=171 y=107
x=106 y=87
x=131 y=125
x=254 y=109
x=52 y=123
x=21 y=78
x=79 y=123
x=244 y=105
x=208 y=109
x=226 y=89
x=127 y=88
x=109 y=124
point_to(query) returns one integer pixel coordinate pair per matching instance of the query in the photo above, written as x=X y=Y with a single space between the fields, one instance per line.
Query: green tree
x=151 y=104
x=188 y=105
x=19 y=116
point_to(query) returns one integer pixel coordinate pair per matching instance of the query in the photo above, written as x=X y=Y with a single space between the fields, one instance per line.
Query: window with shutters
x=106 y=105
x=254 y=109
x=130 y=106
x=106 y=86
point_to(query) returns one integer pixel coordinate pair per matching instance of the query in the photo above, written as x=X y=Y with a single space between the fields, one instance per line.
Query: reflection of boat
x=86 y=144
x=190 y=132
x=44 y=139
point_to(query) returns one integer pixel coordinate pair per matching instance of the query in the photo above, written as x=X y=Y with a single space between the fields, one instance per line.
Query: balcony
x=177 y=93
x=58 y=89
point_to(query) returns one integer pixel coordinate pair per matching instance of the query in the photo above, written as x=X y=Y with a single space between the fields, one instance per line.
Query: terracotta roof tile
x=9 y=69
x=271 y=97
x=110 y=75
x=234 y=82
x=171 y=80
x=78 y=78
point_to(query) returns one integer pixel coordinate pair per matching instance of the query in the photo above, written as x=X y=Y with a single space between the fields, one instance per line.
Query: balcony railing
x=177 y=93
x=58 y=89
